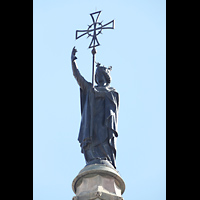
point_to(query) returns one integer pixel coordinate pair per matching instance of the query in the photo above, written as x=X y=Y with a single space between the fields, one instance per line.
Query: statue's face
x=100 y=78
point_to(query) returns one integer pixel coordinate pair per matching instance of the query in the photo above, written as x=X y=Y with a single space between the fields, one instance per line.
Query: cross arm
x=86 y=31
x=104 y=26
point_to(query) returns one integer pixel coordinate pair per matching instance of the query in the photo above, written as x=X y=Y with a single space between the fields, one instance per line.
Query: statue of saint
x=99 y=115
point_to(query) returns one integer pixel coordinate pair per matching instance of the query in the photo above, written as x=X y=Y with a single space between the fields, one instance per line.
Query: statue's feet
x=100 y=161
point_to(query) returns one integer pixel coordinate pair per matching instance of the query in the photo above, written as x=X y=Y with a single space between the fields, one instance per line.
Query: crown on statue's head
x=99 y=65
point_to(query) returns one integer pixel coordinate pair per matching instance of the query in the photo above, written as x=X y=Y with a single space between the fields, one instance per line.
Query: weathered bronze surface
x=100 y=103
x=99 y=106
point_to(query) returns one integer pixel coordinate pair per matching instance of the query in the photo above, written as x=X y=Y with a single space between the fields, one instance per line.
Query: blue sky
x=136 y=49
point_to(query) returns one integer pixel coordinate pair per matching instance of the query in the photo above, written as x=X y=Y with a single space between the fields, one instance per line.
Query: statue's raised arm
x=80 y=79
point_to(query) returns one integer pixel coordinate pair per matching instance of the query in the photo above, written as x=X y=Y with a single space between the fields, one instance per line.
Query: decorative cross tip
x=95 y=29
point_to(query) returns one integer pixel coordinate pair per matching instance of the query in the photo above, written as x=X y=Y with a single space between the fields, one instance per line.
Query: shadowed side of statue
x=99 y=116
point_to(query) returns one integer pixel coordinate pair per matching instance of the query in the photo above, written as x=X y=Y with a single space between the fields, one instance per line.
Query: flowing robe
x=99 y=116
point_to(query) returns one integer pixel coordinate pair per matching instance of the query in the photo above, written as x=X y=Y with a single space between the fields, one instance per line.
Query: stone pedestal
x=98 y=182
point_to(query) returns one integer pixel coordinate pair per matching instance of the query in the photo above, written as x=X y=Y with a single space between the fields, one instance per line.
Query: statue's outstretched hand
x=73 y=55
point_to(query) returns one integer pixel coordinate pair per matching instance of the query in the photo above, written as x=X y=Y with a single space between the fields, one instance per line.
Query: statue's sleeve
x=118 y=99
x=79 y=78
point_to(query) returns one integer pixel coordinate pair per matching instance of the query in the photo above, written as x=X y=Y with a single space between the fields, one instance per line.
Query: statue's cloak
x=110 y=116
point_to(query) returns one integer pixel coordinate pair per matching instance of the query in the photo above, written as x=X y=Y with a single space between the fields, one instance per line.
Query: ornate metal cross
x=96 y=27
x=93 y=31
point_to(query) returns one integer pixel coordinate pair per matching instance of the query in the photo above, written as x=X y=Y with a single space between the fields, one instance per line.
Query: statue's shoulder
x=88 y=85
x=112 y=89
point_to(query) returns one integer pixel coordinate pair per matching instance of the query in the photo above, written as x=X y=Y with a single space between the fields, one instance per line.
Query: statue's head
x=102 y=74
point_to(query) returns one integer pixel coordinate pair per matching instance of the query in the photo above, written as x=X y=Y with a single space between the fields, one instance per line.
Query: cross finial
x=95 y=29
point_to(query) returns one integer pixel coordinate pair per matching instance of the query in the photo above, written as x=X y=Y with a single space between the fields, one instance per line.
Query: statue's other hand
x=73 y=57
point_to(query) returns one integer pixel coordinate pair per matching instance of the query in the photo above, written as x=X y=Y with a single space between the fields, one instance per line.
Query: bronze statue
x=99 y=116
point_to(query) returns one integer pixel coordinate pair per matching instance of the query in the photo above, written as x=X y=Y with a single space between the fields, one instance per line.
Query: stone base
x=98 y=182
